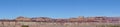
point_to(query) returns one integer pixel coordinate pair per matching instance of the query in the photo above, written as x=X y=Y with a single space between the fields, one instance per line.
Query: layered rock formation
x=79 y=19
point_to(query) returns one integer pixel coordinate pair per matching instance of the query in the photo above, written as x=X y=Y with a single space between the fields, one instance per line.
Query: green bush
x=25 y=26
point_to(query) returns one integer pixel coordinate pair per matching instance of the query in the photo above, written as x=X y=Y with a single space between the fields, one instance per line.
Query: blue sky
x=59 y=8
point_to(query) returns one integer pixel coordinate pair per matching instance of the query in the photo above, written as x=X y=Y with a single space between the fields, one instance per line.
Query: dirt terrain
x=44 y=24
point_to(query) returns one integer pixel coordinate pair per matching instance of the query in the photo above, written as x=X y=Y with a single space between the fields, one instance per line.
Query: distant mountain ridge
x=77 y=19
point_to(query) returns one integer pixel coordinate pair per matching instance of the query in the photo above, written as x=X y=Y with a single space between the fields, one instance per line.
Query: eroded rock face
x=23 y=19
x=73 y=20
x=42 y=19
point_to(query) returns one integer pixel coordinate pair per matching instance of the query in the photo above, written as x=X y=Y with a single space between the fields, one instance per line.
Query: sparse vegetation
x=114 y=26
x=110 y=26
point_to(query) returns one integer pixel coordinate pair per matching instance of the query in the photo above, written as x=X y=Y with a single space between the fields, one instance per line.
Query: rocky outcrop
x=42 y=19
x=21 y=18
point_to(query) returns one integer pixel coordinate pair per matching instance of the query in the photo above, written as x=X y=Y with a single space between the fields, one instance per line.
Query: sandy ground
x=39 y=24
